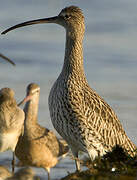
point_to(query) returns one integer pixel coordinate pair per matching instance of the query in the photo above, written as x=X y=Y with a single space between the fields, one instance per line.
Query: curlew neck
x=31 y=112
x=73 y=60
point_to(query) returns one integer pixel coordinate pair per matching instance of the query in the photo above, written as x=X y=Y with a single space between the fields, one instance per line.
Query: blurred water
x=110 y=56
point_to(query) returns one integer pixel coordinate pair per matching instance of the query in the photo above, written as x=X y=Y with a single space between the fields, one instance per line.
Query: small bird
x=7 y=59
x=78 y=113
x=38 y=146
x=11 y=122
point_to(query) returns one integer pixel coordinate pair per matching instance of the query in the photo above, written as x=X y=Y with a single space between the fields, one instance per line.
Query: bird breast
x=8 y=140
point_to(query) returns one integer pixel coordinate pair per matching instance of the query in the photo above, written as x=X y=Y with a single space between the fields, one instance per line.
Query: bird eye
x=67 y=16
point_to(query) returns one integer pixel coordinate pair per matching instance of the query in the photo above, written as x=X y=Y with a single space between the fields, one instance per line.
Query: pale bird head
x=33 y=89
x=7 y=93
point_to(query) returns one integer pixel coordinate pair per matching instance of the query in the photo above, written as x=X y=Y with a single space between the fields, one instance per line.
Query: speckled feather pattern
x=77 y=112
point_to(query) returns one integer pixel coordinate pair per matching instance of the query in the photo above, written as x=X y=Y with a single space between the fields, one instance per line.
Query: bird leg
x=48 y=170
x=77 y=162
x=75 y=157
x=48 y=176
x=13 y=162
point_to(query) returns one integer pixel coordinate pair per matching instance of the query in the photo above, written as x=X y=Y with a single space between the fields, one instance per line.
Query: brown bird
x=38 y=146
x=77 y=112
x=7 y=59
x=11 y=121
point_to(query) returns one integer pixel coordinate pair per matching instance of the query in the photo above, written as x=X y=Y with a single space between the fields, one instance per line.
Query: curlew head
x=70 y=17
x=32 y=91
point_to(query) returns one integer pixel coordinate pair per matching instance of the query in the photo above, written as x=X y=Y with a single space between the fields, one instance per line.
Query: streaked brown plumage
x=38 y=146
x=77 y=112
x=11 y=121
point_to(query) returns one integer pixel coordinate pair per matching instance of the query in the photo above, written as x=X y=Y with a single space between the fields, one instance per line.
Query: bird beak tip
x=3 y=33
x=25 y=100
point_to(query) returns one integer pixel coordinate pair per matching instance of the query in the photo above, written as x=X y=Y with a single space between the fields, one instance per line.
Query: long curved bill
x=27 y=98
x=7 y=59
x=27 y=23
